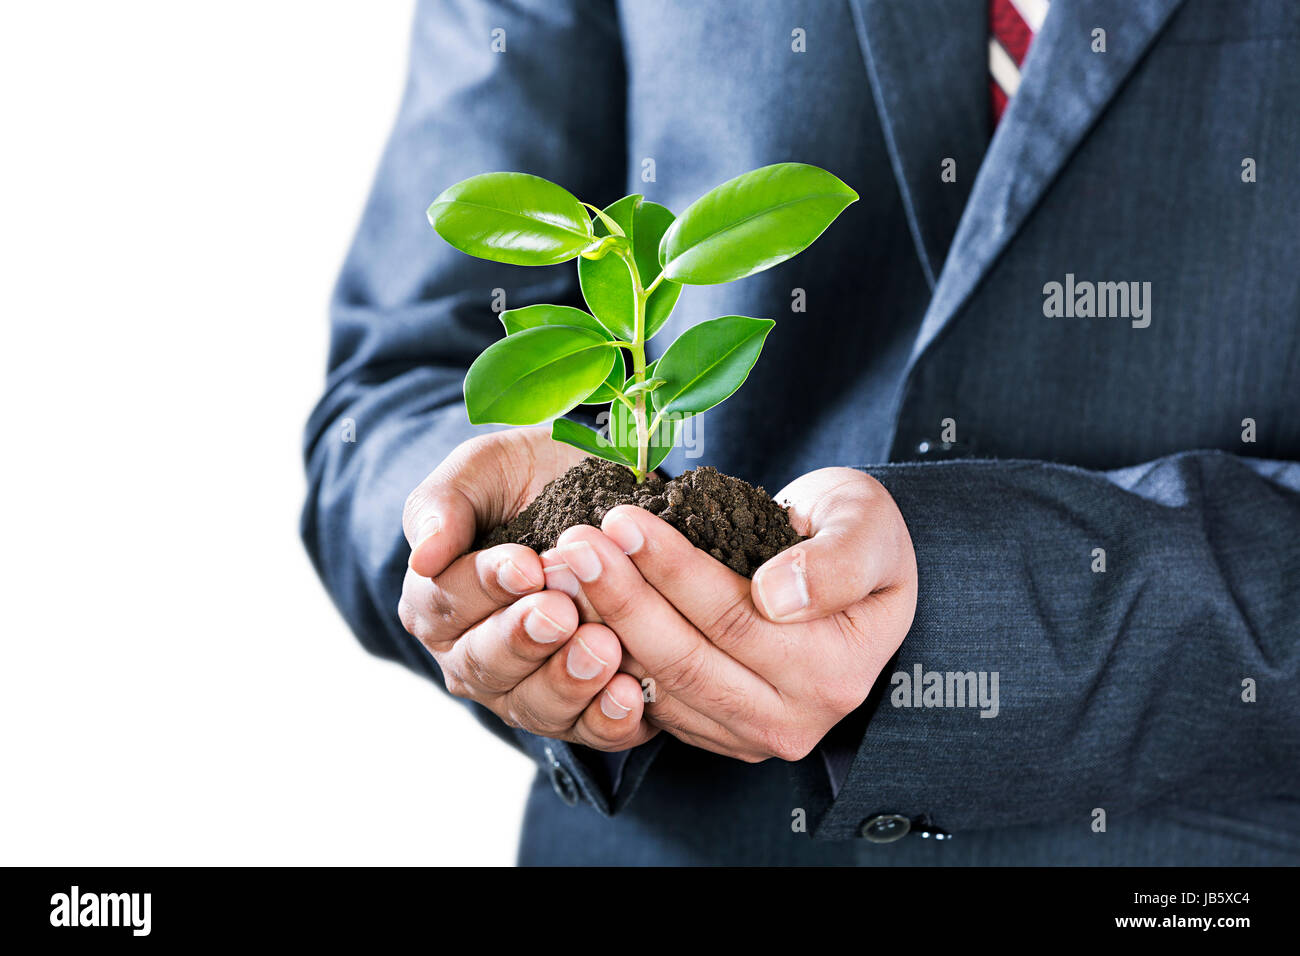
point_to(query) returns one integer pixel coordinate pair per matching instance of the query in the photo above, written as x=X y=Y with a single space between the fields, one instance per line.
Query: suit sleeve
x=533 y=86
x=1143 y=626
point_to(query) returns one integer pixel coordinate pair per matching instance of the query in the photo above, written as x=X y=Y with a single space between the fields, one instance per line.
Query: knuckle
x=838 y=696
x=442 y=610
x=787 y=745
x=421 y=628
x=527 y=717
x=610 y=738
x=731 y=625
x=724 y=702
x=476 y=445
x=685 y=674
x=455 y=683
x=411 y=508
x=407 y=615
x=416 y=502
x=481 y=675
x=664 y=716
x=619 y=605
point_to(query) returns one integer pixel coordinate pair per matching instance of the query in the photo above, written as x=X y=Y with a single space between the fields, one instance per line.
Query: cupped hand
x=499 y=638
x=763 y=668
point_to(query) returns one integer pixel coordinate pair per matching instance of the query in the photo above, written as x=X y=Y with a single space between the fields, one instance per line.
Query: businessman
x=1035 y=400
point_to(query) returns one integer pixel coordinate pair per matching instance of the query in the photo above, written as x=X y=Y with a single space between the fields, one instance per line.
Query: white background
x=178 y=185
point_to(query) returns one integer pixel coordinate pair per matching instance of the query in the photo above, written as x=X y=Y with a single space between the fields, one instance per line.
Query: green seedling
x=633 y=259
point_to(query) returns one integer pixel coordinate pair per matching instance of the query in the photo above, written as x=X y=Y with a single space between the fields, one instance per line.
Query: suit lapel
x=927 y=61
x=1064 y=87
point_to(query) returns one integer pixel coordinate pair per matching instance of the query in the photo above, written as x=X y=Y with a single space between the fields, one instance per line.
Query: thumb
x=442 y=515
x=858 y=544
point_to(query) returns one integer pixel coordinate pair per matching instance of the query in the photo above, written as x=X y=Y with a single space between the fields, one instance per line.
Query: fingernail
x=783 y=590
x=428 y=528
x=623 y=531
x=558 y=575
x=582 y=560
x=612 y=708
x=543 y=629
x=512 y=578
x=581 y=663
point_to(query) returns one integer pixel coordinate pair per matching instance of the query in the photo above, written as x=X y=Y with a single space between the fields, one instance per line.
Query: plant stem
x=619 y=396
x=637 y=348
x=638 y=374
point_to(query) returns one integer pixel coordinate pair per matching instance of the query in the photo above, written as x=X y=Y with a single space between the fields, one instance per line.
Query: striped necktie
x=1012 y=27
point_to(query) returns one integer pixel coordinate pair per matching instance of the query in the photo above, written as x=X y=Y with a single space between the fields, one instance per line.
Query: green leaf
x=607 y=283
x=611 y=226
x=751 y=223
x=512 y=217
x=535 y=316
x=709 y=362
x=536 y=374
x=652 y=221
x=604 y=394
x=622 y=431
x=649 y=385
x=603 y=247
x=583 y=438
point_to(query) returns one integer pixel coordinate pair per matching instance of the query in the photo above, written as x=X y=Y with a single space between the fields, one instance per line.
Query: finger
x=708 y=593
x=475 y=586
x=682 y=662
x=688 y=725
x=722 y=742
x=672 y=715
x=704 y=589
x=551 y=699
x=693 y=727
x=856 y=546
x=613 y=721
x=493 y=656
x=560 y=578
x=444 y=514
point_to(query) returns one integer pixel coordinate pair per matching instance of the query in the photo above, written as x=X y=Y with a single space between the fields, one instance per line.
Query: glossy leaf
x=751 y=223
x=604 y=394
x=603 y=247
x=652 y=221
x=607 y=283
x=536 y=374
x=709 y=362
x=512 y=217
x=534 y=316
x=649 y=385
x=583 y=438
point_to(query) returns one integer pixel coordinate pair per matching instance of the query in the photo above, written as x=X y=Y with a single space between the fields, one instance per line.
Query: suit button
x=562 y=781
x=886 y=828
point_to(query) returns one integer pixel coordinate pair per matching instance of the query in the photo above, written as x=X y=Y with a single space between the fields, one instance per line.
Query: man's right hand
x=499 y=637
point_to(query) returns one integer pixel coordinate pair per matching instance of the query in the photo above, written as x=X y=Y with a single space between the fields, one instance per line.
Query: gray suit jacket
x=1028 y=444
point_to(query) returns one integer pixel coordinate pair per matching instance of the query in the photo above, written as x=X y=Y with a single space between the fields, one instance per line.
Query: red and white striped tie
x=1012 y=26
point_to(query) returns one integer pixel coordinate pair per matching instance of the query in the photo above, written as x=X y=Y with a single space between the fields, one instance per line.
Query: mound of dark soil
x=738 y=524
